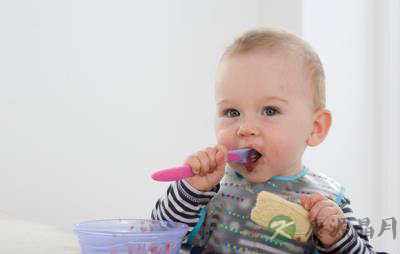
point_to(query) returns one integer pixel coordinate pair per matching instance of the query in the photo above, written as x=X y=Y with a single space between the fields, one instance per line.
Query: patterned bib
x=225 y=225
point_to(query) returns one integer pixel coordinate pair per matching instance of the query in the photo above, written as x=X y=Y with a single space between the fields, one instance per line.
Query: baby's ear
x=321 y=124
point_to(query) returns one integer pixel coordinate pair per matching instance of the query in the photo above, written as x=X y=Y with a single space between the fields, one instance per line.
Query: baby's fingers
x=194 y=162
x=204 y=162
x=222 y=154
x=316 y=210
x=312 y=200
x=208 y=160
x=211 y=153
x=304 y=199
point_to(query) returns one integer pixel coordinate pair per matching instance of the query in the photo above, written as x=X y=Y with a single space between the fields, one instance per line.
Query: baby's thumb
x=304 y=198
x=221 y=158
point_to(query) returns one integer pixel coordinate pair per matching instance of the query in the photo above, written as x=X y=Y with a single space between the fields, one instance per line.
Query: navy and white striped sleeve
x=182 y=203
x=354 y=241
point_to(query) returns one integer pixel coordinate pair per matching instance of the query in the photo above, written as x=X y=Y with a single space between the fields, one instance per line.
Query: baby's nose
x=248 y=129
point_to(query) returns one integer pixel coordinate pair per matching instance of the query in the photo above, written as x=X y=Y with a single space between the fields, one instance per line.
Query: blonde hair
x=280 y=39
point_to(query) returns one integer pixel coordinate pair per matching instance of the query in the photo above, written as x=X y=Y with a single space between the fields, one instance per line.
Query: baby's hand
x=328 y=221
x=208 y=167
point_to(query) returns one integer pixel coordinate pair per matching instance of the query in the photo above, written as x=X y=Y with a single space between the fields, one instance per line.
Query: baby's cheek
x=284 y=152
x=225 y=138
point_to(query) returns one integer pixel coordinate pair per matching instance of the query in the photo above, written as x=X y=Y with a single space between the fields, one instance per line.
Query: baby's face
x=264 y=101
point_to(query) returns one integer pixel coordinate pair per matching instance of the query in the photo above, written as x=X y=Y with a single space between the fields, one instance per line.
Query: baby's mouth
x=252 y=159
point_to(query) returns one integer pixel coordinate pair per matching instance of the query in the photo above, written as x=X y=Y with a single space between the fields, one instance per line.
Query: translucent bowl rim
x=181 y=228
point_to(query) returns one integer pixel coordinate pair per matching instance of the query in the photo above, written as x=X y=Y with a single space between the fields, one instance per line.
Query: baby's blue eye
x=231 y=112
x=270 y=111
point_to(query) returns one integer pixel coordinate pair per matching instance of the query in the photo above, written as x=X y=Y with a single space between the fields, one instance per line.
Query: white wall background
x=359 y=42
x=96 y=95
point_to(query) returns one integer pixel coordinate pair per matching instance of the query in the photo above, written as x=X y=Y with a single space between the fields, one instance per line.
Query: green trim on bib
x=198 y=225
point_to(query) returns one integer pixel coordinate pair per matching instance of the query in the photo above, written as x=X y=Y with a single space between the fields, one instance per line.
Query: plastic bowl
x=128 y=236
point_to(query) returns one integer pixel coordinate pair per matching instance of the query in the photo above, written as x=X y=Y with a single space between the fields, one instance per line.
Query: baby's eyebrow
x=222 y=101
x=271 y=98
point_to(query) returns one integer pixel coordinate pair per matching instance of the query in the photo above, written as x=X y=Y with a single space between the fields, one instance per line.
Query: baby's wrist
x=338 y=236
x=199 y=187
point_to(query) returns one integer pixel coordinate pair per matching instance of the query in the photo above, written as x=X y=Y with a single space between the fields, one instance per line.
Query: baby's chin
x=256 y=175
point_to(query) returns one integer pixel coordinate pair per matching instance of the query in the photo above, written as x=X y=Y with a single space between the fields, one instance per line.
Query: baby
x=270 y=96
